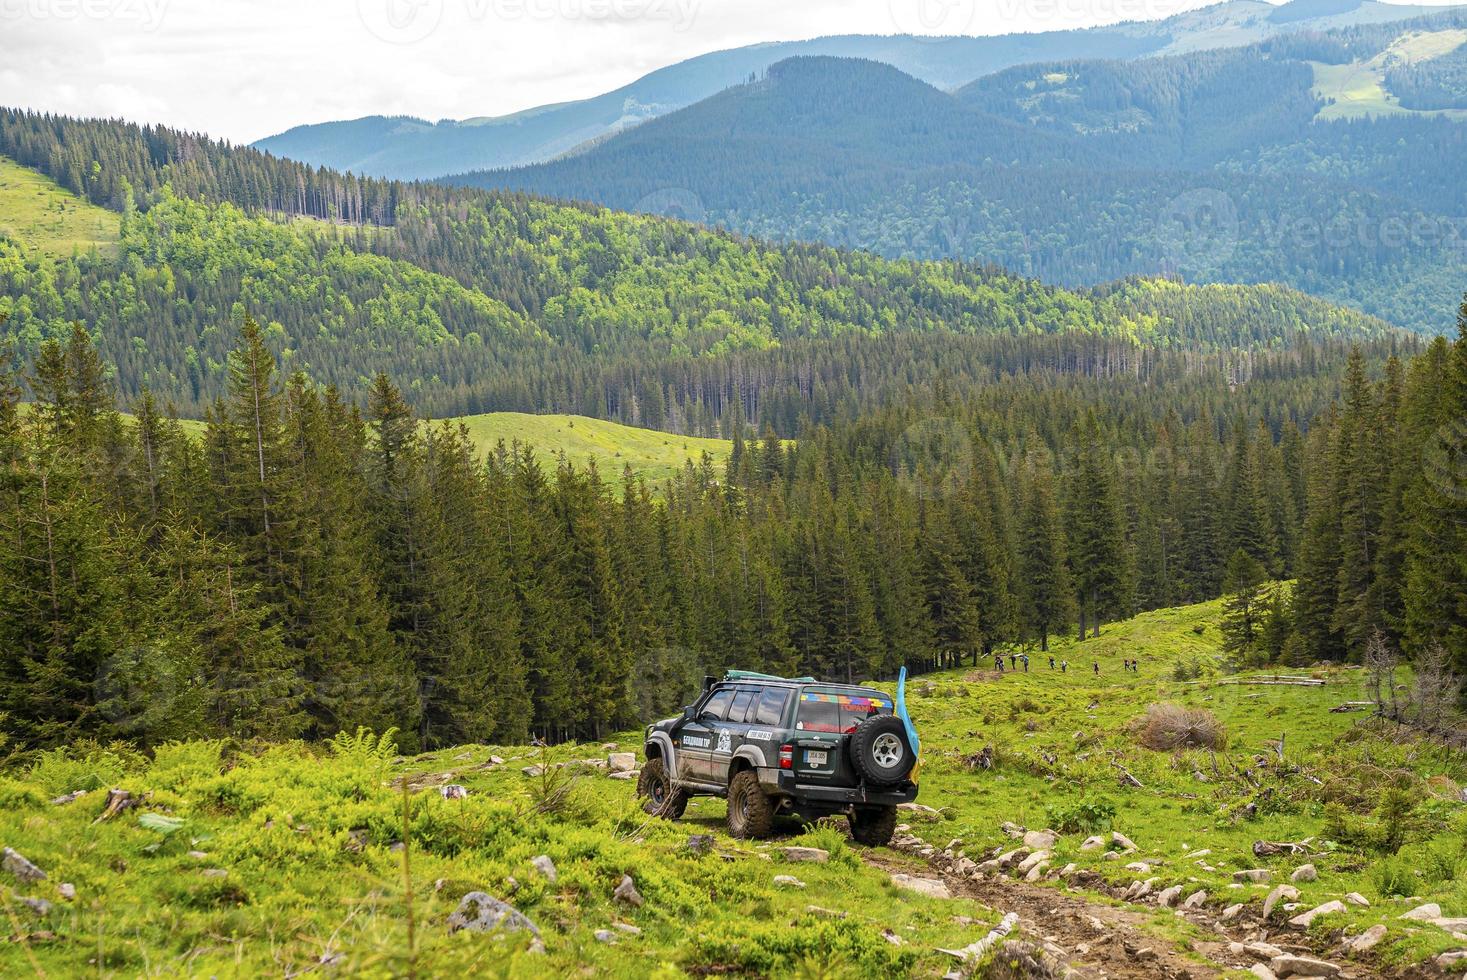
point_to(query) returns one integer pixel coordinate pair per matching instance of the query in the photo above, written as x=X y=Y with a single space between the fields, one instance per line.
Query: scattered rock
x=67 y=890
x=1451 y=960
x=1306 y=919
x=1030 y=862
x=546 y=867
x=37 y=905
x=1230 y=913
x=1037 y=872
x=1169 y=896
x=453 y=791
x=1304 y=873
x=605 y=936
x=1093 y=844
x=893 y=938
x=533 y=771
x=630 y=774
x=812 y=855
x=788 y=881
x=203 y=855
x=931 y=887
x=1110 y=856
x=1012 y=830
x=622 y=761
x=1355 y=898
x=627 y=893
x=1262 y=951
x=827 y=913
x=700 y=843
x=481 y=912
x=495 y=760
x=1367 y=940
x=1285 y=893
x=1125 y=842
x=1198 y=854
x=920 y=811
x=1422 y=913
x=1195 y=899
x=626 y=927
x=14 y=862
x=1290 y=965
x=71 y=797
x=1451 y=925
x=215 y=873
x=1140 y=867
x=1262 y=972
x=1041 y=840
x=1256 y=875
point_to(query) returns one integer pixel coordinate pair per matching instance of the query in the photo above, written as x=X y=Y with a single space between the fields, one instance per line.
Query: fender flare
x=753 y=753
x=669 y=751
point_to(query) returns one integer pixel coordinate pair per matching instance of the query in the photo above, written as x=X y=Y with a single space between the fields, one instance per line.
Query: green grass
x=652 y=455
x=1357 y=89
x=305 y=835
x=37 y=212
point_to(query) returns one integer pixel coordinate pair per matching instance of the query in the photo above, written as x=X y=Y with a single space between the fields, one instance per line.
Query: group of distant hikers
x=1018 y=660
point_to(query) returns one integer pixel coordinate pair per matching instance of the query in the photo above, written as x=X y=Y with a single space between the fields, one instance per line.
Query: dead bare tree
x=1436 y=687
x=1381 y=661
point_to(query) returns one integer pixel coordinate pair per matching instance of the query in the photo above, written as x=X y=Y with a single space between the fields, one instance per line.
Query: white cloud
x=244 y=69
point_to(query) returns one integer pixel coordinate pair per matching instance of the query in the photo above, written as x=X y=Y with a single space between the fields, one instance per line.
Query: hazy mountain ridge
x=409 y=148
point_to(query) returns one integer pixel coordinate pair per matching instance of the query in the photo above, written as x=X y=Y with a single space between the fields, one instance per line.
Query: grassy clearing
x=652 y=455
x=36 y=211
x=1357 y=89
x=304 y=837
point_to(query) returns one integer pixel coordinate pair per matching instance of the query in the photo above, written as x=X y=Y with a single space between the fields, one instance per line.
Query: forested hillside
x=307 y=566
x=1290 y=160
x=485 y=301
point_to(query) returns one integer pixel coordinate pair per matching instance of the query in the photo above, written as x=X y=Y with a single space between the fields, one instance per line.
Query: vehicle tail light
x=786 y=757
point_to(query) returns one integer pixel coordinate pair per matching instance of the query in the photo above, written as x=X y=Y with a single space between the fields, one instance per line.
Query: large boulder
x=812 y=855
x=931 y=887
x=482 y=912
x=621 y=761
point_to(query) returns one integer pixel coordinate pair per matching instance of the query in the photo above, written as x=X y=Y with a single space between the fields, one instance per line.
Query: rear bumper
x=784 y=783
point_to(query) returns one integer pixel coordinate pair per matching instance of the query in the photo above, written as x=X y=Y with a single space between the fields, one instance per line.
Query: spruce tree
x=1046 y=596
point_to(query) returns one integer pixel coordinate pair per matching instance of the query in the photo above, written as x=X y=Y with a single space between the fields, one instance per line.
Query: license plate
x=815 y=758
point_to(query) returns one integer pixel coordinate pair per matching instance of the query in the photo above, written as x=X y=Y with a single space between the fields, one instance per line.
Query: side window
x=717 y=706
x=738 y=712
x=771 y=706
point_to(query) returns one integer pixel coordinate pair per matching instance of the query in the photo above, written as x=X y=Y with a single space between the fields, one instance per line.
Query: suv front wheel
x=750 y=814
x=873 y=825
x=663 y=798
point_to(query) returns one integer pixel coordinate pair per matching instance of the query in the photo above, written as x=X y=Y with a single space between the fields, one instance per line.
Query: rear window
x=771 y=706
x=839 y=713
x=717 y=705
x=741 y=702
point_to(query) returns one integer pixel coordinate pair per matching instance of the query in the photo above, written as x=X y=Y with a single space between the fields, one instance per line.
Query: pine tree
x=1047 y=596
x=1243 y=612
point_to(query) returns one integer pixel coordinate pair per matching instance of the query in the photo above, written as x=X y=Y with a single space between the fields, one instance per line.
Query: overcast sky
x=244 y=69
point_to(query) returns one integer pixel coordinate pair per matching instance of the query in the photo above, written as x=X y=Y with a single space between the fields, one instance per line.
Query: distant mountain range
x=409 y=148
x=1292 y=160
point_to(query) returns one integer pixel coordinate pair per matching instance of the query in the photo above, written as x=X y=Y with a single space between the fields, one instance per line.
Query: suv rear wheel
x=873 y=825
x=750 y=814
x=663 y=798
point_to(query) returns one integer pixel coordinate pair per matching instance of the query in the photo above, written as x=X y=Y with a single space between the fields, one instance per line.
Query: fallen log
x=1352 y=706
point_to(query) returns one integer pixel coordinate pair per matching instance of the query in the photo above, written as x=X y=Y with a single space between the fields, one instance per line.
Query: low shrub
x=1087 y=815
x=1168 y=727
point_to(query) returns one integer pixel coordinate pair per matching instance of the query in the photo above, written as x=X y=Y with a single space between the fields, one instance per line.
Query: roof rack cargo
x=751 y=675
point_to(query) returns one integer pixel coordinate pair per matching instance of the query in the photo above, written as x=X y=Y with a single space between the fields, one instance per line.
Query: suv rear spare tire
x=879 y=751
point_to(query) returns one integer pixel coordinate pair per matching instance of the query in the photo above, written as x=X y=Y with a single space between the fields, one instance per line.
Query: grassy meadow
x=248 y=859
x=37 y=212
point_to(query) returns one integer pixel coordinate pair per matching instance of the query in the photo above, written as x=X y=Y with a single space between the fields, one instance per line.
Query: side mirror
x=688 y=713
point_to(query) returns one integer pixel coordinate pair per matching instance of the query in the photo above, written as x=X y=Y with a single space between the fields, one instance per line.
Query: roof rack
x=751 y=675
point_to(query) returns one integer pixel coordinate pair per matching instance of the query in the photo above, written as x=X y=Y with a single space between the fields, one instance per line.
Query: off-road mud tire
x=655 y=786
x=750 y=812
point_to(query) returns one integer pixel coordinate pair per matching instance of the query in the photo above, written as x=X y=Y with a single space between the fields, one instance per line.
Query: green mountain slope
x=410 y=148
x=1237 y=165
x=495 y=302
x=39 y=215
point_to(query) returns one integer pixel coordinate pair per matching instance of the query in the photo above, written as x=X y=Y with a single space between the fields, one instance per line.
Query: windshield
x=839 y=713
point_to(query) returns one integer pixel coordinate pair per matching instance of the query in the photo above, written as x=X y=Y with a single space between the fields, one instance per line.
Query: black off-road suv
x=775 y=745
